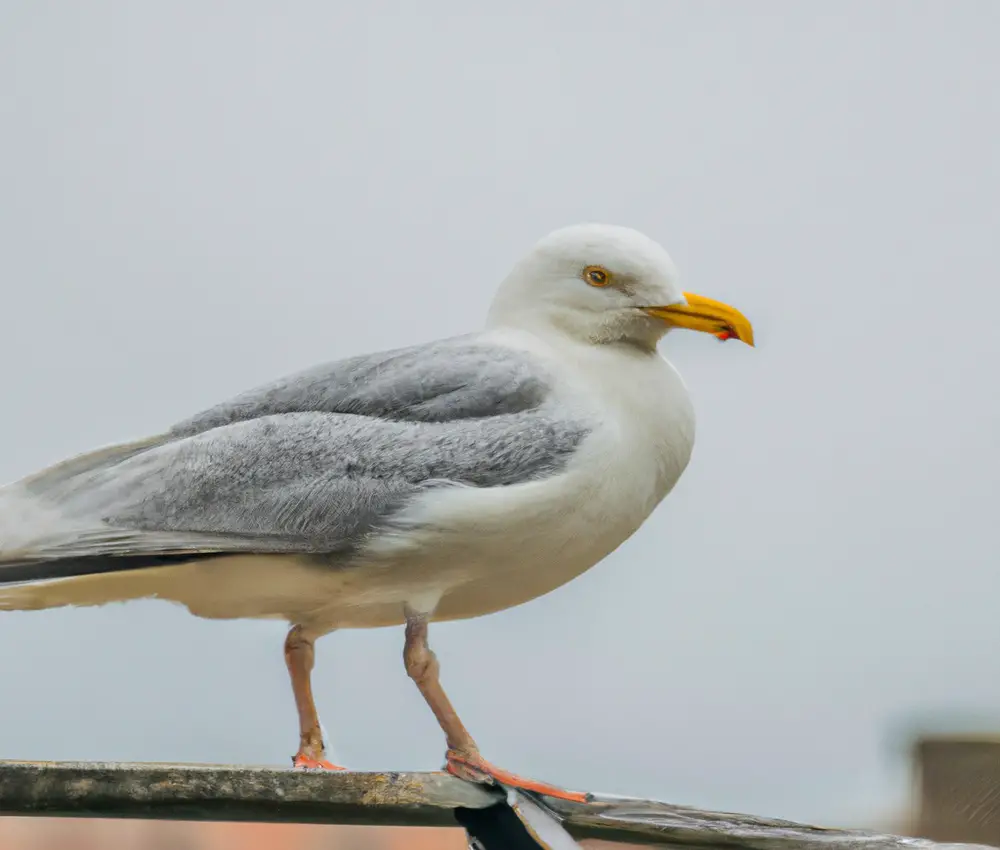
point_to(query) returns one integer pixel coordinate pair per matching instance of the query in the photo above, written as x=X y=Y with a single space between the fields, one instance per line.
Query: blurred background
x=197 y=198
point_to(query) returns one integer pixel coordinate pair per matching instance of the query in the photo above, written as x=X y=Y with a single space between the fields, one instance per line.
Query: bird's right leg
x=463 y=759
x=300 y=655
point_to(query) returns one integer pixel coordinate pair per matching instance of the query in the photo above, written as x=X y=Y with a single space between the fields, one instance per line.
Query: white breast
x=495 y=548
x=639 y=450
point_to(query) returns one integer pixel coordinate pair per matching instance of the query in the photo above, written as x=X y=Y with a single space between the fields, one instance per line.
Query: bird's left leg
x=300 y=656
x=464 y=758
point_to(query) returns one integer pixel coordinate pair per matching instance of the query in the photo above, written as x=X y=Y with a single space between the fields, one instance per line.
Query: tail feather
x=17 y=572
x=57 y=548
x=31 y=519
x=89 y=590
x=58 y=473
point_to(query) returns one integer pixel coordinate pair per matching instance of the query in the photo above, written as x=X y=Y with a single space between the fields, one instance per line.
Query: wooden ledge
x=274 y=795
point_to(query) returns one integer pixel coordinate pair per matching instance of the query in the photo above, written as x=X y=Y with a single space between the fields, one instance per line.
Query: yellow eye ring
x=596 y=276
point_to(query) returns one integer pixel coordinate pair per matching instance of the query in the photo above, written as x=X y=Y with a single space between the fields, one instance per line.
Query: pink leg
x=464 y=759
x=299 y=657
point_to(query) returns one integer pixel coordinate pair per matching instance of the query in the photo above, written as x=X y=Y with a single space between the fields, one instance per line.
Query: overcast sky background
x=196 y=198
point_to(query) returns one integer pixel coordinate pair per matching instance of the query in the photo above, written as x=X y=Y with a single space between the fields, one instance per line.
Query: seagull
x=442 y=481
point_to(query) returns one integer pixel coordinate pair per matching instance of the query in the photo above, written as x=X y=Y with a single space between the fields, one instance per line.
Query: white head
x=607 y=284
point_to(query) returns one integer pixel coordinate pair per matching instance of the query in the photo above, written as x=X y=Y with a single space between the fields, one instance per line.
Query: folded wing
x=314 y=463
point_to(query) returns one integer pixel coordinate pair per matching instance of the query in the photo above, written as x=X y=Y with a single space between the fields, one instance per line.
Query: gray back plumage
x=438 y=382
x=314 y=462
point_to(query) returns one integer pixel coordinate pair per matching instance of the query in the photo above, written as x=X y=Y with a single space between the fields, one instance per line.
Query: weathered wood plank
x=210 y=792
x=264 y=794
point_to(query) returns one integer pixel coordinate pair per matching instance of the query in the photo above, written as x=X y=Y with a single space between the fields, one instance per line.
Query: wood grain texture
x=274 y=795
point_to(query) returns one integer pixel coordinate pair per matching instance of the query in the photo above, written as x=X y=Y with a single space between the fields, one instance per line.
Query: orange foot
x=308 y=763
x=474 y=768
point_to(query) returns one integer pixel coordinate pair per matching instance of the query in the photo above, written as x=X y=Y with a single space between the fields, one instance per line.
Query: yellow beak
x=708 y=316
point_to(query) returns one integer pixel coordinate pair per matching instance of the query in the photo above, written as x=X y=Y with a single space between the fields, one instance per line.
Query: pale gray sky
x=195 y=198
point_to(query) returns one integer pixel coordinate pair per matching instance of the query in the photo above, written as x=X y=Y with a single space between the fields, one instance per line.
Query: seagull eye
x=596 y=276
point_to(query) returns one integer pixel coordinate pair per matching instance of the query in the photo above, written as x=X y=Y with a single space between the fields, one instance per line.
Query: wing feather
x=314 y=463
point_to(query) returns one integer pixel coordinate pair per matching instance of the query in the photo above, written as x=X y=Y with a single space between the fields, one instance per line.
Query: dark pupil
x=597 y=277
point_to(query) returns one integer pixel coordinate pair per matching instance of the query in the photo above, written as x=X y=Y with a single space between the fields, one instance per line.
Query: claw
x=472 y=767
x=304 y=762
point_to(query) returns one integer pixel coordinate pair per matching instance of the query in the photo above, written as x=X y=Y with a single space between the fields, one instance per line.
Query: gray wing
x=314 y=463
x=460 y=378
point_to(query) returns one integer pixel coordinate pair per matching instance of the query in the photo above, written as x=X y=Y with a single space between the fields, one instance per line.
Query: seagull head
x=607 y=284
